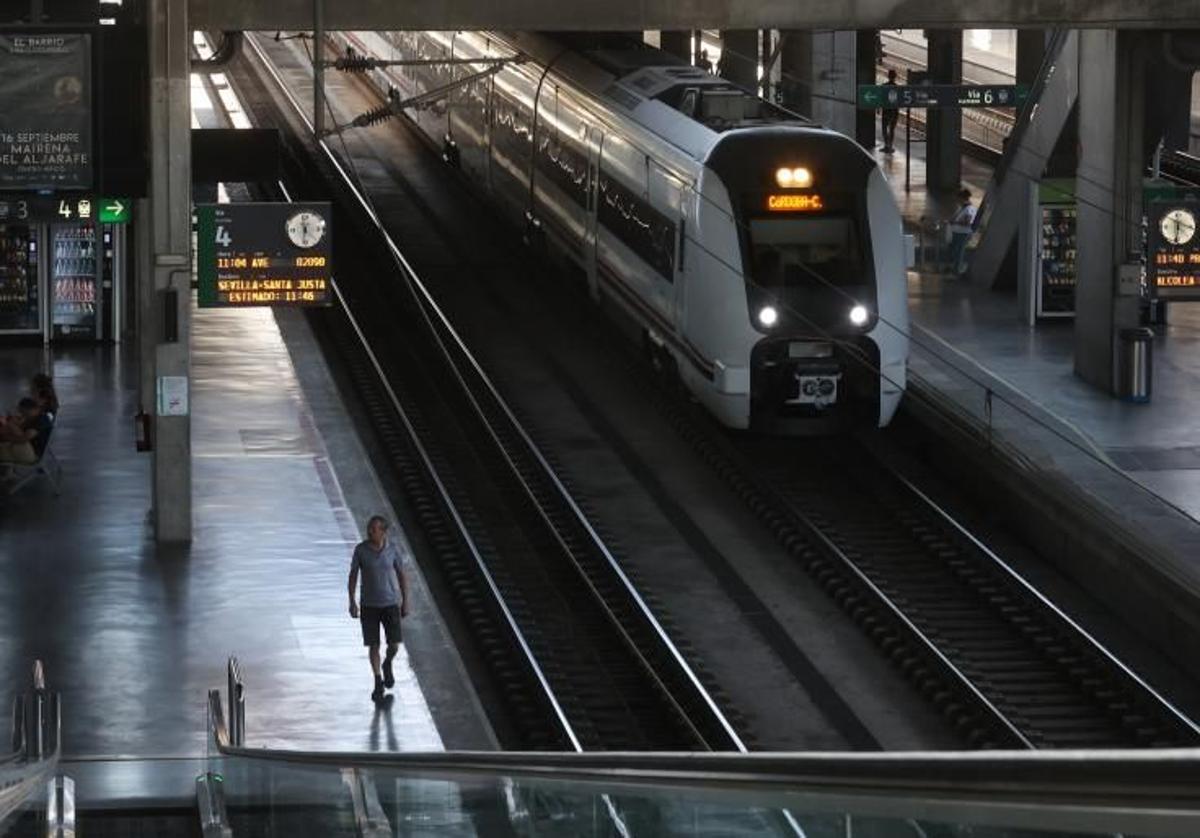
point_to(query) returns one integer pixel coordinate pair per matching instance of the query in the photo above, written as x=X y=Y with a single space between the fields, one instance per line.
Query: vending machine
x=63 y=272
x=1056 y=278
x=75 y=305
x=20 y=280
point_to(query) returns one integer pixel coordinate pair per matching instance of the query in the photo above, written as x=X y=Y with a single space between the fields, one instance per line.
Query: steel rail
x=1011 y=573
x=447 y=499
x=434 y=312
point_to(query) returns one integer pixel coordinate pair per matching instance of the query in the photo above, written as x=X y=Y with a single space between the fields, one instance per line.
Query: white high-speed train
x=760 y=257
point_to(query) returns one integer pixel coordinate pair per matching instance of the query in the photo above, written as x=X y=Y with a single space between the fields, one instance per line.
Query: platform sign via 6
x=263 y=254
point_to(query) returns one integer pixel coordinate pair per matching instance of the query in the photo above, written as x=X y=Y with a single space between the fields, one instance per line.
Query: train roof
x=681 y=103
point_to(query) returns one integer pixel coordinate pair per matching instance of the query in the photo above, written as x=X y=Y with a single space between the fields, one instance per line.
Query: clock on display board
x=1178 y=226
x=306 y=228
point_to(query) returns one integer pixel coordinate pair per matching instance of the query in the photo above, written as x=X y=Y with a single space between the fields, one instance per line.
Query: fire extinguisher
x=141 y=431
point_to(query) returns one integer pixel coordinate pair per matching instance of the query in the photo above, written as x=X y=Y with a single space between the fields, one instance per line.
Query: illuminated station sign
x=1174 y=258
x=264 y=255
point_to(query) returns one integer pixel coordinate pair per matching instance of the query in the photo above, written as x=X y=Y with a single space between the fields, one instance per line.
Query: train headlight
x=859 y=315
x=768 y=316
x=793 y=178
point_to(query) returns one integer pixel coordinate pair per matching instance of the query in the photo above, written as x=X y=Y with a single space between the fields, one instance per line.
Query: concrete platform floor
x=1158 y=444
x=134 y=635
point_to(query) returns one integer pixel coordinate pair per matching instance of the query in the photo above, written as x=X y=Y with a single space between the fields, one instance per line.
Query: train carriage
x=760 y=256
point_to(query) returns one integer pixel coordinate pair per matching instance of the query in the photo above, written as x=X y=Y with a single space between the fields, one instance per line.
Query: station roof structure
x=614 y=15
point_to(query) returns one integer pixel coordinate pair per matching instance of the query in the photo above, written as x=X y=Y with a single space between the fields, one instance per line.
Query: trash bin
x=1135 y=364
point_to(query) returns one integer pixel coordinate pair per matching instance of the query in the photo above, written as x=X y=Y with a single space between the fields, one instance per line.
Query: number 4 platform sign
x=264 y=255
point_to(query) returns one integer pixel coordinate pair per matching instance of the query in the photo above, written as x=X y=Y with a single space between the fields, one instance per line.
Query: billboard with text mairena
x=45 y=111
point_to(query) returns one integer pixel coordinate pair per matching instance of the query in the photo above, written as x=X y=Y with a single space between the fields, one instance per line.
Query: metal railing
x=37 y=741
x=1129 y=790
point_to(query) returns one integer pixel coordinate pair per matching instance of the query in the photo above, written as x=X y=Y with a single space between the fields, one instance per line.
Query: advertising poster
x=45 y=111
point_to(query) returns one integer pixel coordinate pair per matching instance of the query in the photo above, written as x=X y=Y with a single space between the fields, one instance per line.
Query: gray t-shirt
x=378 y=569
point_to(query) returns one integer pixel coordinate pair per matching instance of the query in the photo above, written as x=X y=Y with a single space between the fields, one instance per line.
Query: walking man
x=384 y=598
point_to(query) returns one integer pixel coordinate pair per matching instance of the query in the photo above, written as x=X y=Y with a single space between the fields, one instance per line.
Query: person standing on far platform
x=704 y=63
x=384 y=598
x=962 y=223
x=888 y=117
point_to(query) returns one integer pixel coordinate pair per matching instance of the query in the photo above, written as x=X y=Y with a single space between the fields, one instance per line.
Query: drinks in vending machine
x=73 y=281
x=20 y=306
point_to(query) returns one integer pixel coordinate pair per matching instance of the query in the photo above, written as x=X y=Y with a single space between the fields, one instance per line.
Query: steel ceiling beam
x=627 y=15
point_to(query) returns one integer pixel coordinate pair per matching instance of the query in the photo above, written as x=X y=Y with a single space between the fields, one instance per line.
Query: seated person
x=23 y=437
x=41 y=388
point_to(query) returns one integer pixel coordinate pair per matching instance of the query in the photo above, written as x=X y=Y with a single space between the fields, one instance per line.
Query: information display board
x=264 y=254
x=45 y=110
x=1059 y=249
x=1174 y=244
x=872 y=96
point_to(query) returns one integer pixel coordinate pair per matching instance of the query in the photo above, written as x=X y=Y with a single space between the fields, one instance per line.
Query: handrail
x=237 y=703
x=1111 y=777
x=25 y=776
x=1024 y=119
x=1058 y=38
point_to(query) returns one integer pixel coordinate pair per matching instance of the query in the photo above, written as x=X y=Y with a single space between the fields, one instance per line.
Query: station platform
x=1086 y=473
x=921 y=207
x=135 y=634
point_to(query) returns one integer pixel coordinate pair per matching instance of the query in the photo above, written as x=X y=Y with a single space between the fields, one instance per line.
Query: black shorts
x=371 y=618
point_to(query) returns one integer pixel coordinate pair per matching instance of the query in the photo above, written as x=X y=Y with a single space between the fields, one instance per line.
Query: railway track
x=1003 y=665
x=575 y=655
x=998 y=660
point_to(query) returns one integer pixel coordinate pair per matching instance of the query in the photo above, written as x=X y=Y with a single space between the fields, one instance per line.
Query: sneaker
x=377 y=693
x=389 y=680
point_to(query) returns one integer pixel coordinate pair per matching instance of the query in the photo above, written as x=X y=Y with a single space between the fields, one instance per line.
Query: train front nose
x=799 y=383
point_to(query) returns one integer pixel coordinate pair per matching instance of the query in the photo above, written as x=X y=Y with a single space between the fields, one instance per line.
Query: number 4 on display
x=223 y=238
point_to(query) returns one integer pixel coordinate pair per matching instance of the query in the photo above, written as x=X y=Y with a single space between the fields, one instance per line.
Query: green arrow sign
x=115 y=210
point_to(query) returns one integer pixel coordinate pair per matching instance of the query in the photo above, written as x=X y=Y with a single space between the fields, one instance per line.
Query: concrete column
x=865 y=63
x=1031 y=49
x=739 y=57
x=944 y=151
x=678 y=43
x=1111 y=111
x=819 y=77
x=169 y=261
x=1168 y=90
x=796 y=71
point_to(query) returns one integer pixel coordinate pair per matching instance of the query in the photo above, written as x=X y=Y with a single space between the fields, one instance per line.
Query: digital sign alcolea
x=1174 y=257
x=260 y=254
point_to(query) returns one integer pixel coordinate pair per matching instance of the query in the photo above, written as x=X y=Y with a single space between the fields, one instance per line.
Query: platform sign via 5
x=260 y=254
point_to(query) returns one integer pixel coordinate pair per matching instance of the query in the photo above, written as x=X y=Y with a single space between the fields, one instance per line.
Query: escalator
x=1039 y=124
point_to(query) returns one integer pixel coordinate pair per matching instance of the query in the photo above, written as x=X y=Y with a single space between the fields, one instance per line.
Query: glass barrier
x=29 y=753
x=274 y=797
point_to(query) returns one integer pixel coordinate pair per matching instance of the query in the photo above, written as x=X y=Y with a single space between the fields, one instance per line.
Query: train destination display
x=261 y=254
x=1174 y=256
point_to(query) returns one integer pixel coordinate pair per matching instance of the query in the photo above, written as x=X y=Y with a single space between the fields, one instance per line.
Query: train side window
x=690 y=102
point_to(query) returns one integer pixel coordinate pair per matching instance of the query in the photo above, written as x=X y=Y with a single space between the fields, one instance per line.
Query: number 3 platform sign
x=264 y=255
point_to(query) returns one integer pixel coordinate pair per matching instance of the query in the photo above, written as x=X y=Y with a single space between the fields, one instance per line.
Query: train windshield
x=810 y=251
